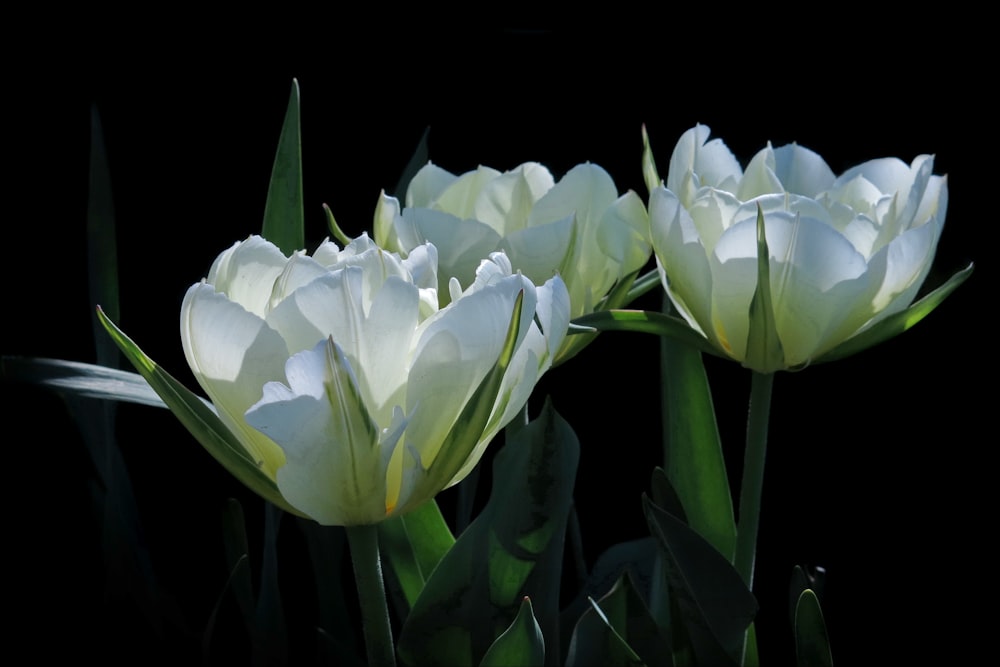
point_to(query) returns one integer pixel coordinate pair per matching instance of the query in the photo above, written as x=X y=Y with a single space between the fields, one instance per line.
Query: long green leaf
x=512 y=549
x=521 y=644
x=284 y=216
x=693 y=460
x=714 y=605
x=413 y=544
x=199 y=420
x=899 y=322
x=645 y=321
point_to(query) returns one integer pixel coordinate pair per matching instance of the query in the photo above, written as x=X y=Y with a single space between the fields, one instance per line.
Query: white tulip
x=342 y=377
x=845 y=251
x=578 y=228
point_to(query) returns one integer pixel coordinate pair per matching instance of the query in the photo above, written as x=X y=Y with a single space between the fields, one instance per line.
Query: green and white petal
x=506 y=201
x=759 y=178
x=233 y=354
x=908 y=260
x=623 y=234
x=541 y=251
x=821 y=286
x=460 y=197
x=682 y=259
x=426 y=185
x=697 y=162
x=335 y=470
x=387 y=210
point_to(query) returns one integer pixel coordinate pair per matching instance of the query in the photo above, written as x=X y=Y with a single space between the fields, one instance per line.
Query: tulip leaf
x=634 y=558
x=763 y=352
x=714 y=607
x=692 y=450
x=84 y=380
x=812 y=646
x=897 y=323
x=413 y=544
x=199 y=419
x=513 y=549
x=802 y=580
x=284 y=217
x=618 y=630
x=520 y=644
x=644 y=321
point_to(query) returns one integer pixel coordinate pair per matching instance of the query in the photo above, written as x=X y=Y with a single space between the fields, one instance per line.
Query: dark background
x=877 y=465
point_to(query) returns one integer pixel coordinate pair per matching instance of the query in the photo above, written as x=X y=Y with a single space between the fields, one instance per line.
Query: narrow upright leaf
x=284 y=216
x=692 y=449
x=199 y=419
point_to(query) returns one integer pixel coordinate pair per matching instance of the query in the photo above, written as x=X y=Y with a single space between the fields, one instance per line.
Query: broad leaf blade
x=618 y=630
x=284 y=217
x=812 y=646
x=521 y=644
x=413 y=544
x=512 y=549
x=714 y=605
x=692 y=449
x=199 y=420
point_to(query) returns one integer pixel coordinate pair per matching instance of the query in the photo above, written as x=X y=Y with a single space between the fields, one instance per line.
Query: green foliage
x=513 y=549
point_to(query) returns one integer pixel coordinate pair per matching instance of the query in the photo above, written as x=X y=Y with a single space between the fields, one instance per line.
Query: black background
x=877 y=465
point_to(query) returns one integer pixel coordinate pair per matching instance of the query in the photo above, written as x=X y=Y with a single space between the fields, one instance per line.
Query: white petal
x=506 y=201
x=461 y=244
x=232 y=354
x=623 y=234
x=246 y=273
x=802 y=171
x=682 y=258
x=429 y=182
x=697 y=162
x=335 y=469
x=459 y=198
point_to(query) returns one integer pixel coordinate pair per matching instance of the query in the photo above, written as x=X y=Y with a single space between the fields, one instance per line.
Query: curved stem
x=753 y=476
x=363 y=542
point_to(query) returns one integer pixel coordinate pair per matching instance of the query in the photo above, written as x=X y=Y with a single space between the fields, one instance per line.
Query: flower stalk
x=363 y=541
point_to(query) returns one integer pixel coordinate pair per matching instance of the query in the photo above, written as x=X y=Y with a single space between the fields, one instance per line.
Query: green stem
x=753 y=476
x=363 y=542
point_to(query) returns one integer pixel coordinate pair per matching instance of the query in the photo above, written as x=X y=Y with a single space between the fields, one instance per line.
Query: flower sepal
x=897 y=323
x=200 y=419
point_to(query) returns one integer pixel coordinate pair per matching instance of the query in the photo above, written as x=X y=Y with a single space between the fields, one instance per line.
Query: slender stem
x=363 y=542
x=753 y=475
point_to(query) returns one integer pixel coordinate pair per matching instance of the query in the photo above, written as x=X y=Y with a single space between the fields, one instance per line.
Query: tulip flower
x=579 y=228
x=347 y=383
x=845 y=252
